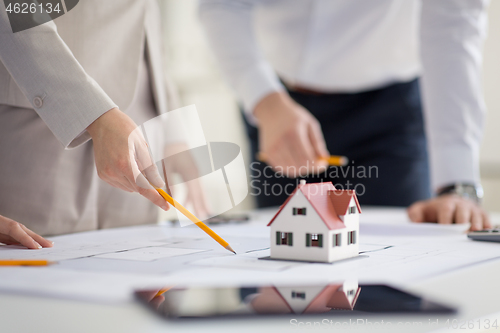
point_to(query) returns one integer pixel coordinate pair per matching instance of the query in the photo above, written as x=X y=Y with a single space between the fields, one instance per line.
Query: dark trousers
x=381 y=132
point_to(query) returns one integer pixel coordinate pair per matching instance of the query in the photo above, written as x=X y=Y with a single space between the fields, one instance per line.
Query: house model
x=316 y=223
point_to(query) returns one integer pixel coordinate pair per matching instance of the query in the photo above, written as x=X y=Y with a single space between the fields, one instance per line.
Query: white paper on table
x=419 y=251
x=63 y=250
x=149 y=253
x=248 y=261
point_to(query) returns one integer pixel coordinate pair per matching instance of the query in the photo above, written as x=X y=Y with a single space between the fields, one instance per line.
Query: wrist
x=469 y=191
x=94 y=128
x=274 y=101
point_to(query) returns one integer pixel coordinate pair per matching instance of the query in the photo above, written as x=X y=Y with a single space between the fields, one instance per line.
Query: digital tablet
x=346 y=298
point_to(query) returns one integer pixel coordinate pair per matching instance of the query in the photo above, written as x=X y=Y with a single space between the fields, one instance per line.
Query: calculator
x=487 y=235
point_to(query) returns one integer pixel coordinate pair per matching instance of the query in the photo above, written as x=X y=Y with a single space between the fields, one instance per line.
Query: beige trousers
x=55 y=191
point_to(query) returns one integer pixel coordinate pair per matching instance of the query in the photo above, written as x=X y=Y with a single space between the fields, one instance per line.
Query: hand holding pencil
x=290 y=136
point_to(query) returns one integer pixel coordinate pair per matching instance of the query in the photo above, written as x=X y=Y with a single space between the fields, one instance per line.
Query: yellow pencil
x=26 y=262
x=333 y=160
x=195 y=220
x=162 y=291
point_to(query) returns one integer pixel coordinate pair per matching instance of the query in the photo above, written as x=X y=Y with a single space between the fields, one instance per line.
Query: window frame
x=288 y=237
x=337 y=240
x=351 y=237
x=318 y=241
x=299 y=211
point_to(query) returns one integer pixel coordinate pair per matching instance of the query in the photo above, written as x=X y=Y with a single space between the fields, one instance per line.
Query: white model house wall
x=299 y=225
x=345 y=250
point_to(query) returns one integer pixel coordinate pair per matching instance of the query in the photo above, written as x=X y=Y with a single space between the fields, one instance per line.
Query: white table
x=474 y=290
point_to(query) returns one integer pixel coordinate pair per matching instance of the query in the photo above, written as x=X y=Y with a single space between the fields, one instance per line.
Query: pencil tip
x=229 y=248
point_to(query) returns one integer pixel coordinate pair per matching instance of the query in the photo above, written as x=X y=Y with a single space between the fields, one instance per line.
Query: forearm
x=61 y=92
x=228 y=25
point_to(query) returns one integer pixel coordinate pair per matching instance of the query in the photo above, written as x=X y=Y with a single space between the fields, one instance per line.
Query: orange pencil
x=333 y=160
x=162 y=291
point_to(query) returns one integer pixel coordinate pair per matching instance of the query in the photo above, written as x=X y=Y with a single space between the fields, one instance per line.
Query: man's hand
x=122 y=156
x=289 y=136
x=450 y=208
x=13 y=233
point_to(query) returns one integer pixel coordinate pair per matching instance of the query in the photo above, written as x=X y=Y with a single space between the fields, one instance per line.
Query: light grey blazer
x=55 y=80
x=82 y=64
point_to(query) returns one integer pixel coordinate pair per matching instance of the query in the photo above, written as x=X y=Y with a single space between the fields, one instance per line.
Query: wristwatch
x=465 y=190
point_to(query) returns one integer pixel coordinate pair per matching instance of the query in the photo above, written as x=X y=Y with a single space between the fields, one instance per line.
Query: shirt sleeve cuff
x=454 y=164
x=254 y=85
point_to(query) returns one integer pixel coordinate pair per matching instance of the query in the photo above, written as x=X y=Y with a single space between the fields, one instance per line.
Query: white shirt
x=358 y=45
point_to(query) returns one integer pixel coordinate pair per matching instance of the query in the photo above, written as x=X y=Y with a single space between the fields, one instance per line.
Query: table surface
x=474 y=290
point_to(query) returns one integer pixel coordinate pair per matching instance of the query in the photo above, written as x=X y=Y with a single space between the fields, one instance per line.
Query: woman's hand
x=14 y=233
x=122 y=156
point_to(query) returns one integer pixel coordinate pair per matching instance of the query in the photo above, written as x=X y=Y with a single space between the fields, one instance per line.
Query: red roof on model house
x=328 y=202
x=331 y=297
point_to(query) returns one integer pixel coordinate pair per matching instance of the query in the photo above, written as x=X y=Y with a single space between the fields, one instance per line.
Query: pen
x=195 y=220
x=333 y=160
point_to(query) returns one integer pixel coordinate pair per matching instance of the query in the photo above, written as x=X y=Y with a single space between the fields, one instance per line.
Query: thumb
x=153 y=176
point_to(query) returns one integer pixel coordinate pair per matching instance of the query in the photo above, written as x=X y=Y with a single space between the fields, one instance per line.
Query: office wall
x=490 y=152
x=193 y=68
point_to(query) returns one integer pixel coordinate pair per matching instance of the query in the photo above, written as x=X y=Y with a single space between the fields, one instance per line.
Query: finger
x=416 y=212
x=462 y=213
x=288 y=166
x=476 y=220
x=279 y=160
x=116 y=180
x=153 y=175
x=301 y=147
x=139 y=181
x=157 y=301
x=127 y=185
x=445 y=212
x=486 y=220
x=119 y=185
x=153 y=196
x=16 y=232
x=146 y=165
x=317 y=140
x=37 y=238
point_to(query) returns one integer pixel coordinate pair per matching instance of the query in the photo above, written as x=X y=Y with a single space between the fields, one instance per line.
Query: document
x=148 y=253
x=393 y=250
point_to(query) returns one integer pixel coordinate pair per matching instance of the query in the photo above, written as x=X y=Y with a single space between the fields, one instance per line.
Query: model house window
x=314 y=240
x=284 y=238
x=352 y=210
x=298 y=295
x=351 y=237
x=299 y=211
x=337 y=240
